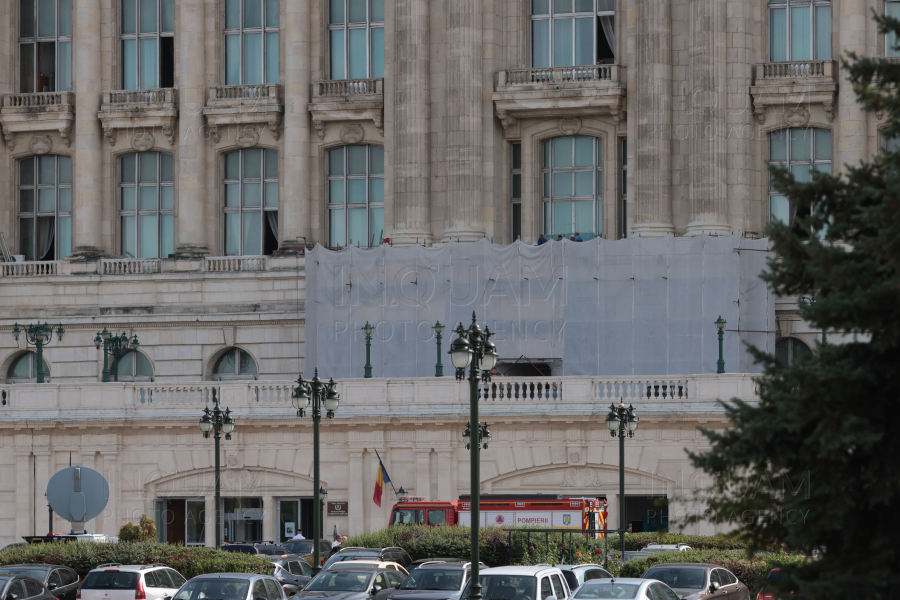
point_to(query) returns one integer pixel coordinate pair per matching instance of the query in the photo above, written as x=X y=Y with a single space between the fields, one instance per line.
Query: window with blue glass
x=801 y=151
x=356 y=39
x=567 y=33
x=45 y=207
x=572 y=180
x=891 y=9
x=147 y=205
x=148 y=44
x=355 y=196
x=251 y=42
x=45 y=46
x=251 y=202
x=799 y=30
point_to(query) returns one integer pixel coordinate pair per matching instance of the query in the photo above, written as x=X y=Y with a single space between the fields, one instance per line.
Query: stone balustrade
x=142 y=97
x=792 y=88
x=551 y=75
x=138 y=113
x=44 y=112
x=347 y=100
x=140 y=266
x=28 y=269
x=245 y=94
x=379 y=398
x=240 y=106
x=39 y=100
x=131 y=266
x=229 y=264
x=795 y=69
x=348 y=87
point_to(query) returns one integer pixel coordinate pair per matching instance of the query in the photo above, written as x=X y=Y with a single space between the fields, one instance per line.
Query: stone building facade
x=164 y=164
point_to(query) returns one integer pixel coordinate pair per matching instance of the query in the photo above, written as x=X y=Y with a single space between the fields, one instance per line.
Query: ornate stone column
x=355 y=491
x=852 y=130
x=410 y=210
x=463 y=159
x=295 y=209
x=708 y=158
x=193 y=196
x=88 y=223
x=653 y=95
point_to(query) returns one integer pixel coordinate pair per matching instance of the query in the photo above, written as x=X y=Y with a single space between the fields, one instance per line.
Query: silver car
x=231 y=586
x=630 y=589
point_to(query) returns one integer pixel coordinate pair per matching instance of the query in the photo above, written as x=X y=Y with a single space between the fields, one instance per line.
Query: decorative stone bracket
x=347 y=100
x=792 y=88
x=139 y=111
x=246 y=108
x=37 y=113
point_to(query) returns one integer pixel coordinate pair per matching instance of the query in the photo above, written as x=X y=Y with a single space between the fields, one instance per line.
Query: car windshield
x=110 y=580
x=213 y=589
x=408 y=516
x=506 y=587
x=678 y=577
x=339 y=581
x=355 y=565
x=299 y=547
x=434 y=579
x=608 y=590
x=31 y=572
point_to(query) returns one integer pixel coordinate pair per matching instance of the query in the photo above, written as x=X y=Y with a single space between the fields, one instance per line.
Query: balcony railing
x=230 y=264
x=131 y=266
x=149 y=266
x=245 y=94
x=550 y=75
x=795 y=70
x=146 y=97
x=349 y=87
x=28 y=269
x=40 y=100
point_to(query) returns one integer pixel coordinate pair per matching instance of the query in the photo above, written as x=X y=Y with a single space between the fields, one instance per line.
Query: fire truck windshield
x=408 y=516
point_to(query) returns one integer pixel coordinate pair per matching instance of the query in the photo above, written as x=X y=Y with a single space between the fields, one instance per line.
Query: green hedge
x=751 y=571
x=85 y=556
x=636 y=541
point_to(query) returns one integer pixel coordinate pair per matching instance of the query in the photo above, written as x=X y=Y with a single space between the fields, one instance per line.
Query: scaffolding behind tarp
x=641 y=306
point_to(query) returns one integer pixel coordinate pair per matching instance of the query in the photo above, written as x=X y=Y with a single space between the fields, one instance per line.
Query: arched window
x=251 y=202
x=45 y=46
x=147 y=205
x=566 y=33
x=801 y=151
x=133 y=366
x=799 y=30
x=356 y=38
x=788 y=350
x=24 y=369
x=572 y=184
x=235 y=364
x=148 y=44
x=45 y=207
x=251 y=42
x=355 y=196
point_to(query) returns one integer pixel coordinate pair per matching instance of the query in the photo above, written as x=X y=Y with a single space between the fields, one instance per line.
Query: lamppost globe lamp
x=467 y=436
x=461 y=353
x=489 y=358
x=368 y=328
x=332 y=399
x=206 y=425
x=612 y=421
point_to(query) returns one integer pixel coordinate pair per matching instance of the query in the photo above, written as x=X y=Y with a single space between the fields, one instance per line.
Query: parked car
x=418 y=563
x=306 y=547
x=397 y=555
x=370 y=564
x=539 y=582
x=653 y=548
x=113 y=581
x=435 y=580
x=577 y=574
x=638 y=589
x=698 y=581
x=12 y=546
x=61 y=582
x=776 y=581
x=231 y=586
x=22 y=587
x=259 y=549
x=292 y=572
x=350 y=584
x=634 y=555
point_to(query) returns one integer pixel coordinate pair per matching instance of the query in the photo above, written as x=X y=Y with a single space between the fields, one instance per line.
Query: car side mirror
x=167 y=597
x=713 y=587
x=397 y=586
x=260 y=598
x=376 y=588
x=51 y=586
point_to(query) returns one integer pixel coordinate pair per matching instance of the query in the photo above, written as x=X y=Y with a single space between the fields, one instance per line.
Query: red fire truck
x=505 y=511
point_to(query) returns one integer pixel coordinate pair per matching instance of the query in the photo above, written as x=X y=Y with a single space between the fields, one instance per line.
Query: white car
x=626 y=588
x=113 y=581
x=540 y=582
x=666 y=548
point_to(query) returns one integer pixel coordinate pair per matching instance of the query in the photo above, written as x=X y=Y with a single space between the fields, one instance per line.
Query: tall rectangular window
x=251 y=42
x=801 y=151
x=45 y=46
x=356 y=39
x=355 y=196
x=45 y=207
x=891 y=9
x=515 y=187
x=572 y=182
x=148 y=44
x=799 y=30
x=251 y=202
x=624 y=187
x=147 y=205
x=568 y=33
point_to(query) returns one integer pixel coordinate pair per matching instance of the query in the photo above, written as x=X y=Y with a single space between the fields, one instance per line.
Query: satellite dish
x=78 y=494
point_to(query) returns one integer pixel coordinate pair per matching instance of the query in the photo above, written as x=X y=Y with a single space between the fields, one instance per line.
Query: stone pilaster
x=109 y=518
x=652 y=172
x=410 y=201
x=209 y=519
x=708 y=159
x=24 y=495
x=853 y=19
x=463 y=162
x=89 y=224
x=41 y=479
x=447 y=470
x=270 y=519
x=355 y=492
x=192 y=225
x=423 y=474
x=296 y=209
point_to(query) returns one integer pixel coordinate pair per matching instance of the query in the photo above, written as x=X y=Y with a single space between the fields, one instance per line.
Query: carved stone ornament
x=570 y=126
x=41 y=144
x=580 y=477
x=320 y=128
x=169 y=133
x=760 y=112
x=10 y=139
x=574 y=457
x=142 y=141
x=506 y=120
x=65 y=132
x=379 y=123
x=249 y=137
x=829 y=111
x=275 y=126
x=352 y=134
x=796 y=116
x=214 y=133
x=110 y=135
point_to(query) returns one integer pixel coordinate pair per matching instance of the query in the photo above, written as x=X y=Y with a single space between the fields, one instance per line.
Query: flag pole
x=381 y=464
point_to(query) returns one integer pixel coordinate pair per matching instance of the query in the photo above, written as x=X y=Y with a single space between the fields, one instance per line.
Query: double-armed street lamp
x=720 y=325
x=484 y=436
x=316 y=395
x=38 y=336
x=218 y=422
x=474 y=349
x=116 y=346
x=368 y=329
x=621 y=422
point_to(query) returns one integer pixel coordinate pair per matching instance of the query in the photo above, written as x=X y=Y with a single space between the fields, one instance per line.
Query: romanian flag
x=380 y=479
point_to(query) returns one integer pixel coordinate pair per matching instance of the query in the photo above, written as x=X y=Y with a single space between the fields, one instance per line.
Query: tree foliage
x=142 y=531
x=815 y=466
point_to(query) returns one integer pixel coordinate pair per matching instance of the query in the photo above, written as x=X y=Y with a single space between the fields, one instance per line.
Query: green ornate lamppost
x=720 y=325
x=38 y=336
x=116 y=346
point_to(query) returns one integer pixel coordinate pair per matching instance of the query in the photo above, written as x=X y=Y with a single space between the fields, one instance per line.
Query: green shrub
x=752 y=572
x=85 y=556
x=142 y=531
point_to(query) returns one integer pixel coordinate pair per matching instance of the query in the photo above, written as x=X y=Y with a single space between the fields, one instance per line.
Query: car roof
x=686 y=564
x=230 y=576
x=444 y=565
x=582 y=566
x=535 y=570
x=631 y=580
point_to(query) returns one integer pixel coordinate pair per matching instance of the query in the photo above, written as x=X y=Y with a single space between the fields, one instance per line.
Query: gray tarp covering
x=629 y=307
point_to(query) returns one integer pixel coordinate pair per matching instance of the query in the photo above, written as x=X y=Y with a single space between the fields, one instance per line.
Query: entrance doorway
x=181 y=521
x=242 y=520
x=294 y=516
x=647 y=513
